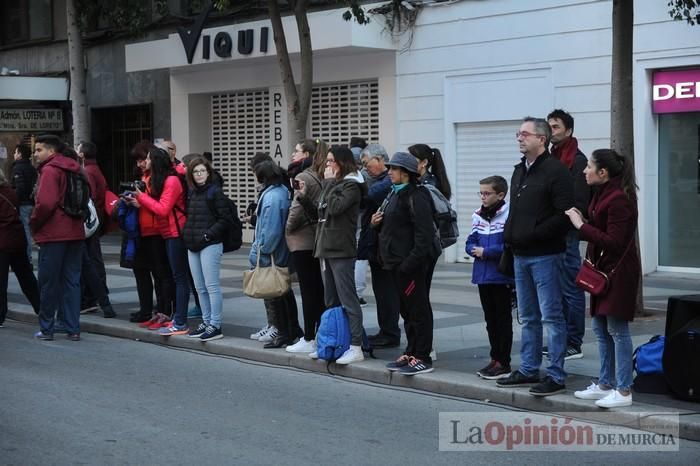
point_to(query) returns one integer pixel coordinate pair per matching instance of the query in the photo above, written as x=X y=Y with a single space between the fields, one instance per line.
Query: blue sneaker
x=43 y=336
x=173 y=330
x=194 y=313
x=198 y=332
x=212 y=333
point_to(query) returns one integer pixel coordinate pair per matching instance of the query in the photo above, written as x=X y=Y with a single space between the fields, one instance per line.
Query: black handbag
x=505 y=264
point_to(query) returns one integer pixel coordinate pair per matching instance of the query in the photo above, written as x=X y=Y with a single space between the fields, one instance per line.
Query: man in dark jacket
x=61 y=239
x=94 y=267
x=565 y=149
x=541 y=190
x=23 y=180
x=374 y=157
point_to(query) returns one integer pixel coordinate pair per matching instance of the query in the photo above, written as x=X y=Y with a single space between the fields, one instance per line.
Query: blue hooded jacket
x=272 y=212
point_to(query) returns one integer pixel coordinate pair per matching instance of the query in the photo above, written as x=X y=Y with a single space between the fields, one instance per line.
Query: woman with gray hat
x=407 y=246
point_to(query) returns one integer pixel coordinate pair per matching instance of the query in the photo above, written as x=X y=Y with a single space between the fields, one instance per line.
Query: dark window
x=25 y=21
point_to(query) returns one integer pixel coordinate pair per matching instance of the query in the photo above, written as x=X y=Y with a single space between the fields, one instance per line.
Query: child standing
x=485 y=244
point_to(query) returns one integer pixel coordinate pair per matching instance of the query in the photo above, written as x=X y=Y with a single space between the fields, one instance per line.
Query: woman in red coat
x=13 y=250
x=610 y=234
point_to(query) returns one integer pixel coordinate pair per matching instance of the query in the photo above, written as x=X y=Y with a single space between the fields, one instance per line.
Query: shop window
x=25 y=21
x=679 y=189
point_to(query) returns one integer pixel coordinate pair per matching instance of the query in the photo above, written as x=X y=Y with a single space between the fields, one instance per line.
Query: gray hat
x=356 y=154
x=405 y=161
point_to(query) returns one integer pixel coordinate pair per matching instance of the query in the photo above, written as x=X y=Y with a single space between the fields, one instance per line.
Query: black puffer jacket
x=207 y=214
x=407 y=237
x=23 y=180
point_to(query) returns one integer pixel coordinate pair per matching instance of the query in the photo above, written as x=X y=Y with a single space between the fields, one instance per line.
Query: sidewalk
x=460 y=339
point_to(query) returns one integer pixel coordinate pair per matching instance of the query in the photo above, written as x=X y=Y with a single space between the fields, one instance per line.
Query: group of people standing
x=557 y=198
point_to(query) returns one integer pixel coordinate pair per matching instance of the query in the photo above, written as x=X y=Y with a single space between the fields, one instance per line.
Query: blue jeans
x=574 y=301
x=539 y=304
x=25 y=213
x=59 y=284
x=177 y=257
x=205 y=266
x=615 y=348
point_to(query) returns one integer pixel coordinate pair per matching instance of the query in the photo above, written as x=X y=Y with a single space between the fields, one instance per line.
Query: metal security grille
x=240 y=128
x=340 y=111
x=483 y=149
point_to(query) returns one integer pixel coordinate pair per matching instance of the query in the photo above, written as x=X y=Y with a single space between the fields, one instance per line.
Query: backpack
x=647 y=361
x=233 y=236
x=92 y=222
x=333 y=335
x=76 y=198
x=444 y=216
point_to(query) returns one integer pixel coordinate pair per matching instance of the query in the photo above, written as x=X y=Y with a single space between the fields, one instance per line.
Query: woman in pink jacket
x=167 y=201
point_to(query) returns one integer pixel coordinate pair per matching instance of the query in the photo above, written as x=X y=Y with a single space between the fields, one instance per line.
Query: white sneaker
x=259 y=333
x=592 y=392
x=353 y=354
x=302 y=346
x=313 y=355
x=269 y=335
x=615 y=400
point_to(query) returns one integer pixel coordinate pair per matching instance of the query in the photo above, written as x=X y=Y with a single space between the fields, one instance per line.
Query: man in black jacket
x=565 y=149
x=23 y=180
x=541 y=190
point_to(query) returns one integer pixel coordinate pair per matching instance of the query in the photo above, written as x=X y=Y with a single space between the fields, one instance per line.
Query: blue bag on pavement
x=648 y=358
x=333 y=335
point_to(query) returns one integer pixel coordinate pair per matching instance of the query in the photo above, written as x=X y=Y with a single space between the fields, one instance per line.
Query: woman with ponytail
x=610 y=233
x=431 y=168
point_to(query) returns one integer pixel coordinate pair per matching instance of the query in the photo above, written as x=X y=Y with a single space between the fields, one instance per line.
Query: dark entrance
x=115 y=130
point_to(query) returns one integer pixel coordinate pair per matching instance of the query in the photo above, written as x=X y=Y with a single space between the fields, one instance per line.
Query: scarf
x=487 y=213
x=398 y=187
x=565 y=152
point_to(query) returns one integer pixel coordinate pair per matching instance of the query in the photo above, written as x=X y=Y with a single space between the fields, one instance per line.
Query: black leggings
x=308 y=270
x=152 y=270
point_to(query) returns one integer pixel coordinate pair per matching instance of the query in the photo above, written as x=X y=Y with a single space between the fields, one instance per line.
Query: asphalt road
x=111 y=401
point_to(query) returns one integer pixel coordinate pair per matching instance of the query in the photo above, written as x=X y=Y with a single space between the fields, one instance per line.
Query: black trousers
x=416 y=312
x=496 y=302
x=308 y=270
x=152 y=270
x=25 y=276
x=387 y=298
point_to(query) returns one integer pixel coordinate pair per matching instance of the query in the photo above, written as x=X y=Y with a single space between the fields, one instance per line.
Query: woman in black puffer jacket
x=208 y=217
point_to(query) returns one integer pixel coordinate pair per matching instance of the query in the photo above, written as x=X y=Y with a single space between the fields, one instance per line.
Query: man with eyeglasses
x=565 y=149
x=541 y=190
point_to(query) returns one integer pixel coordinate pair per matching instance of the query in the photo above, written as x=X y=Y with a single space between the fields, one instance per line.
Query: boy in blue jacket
x=485 y=245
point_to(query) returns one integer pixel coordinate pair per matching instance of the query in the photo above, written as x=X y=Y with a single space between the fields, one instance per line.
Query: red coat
x=98 y=184
x=49 y=223
x=610 y=230
x=12 y=237
x=170 y=205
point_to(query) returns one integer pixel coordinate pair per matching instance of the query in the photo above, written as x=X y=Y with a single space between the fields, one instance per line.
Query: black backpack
x=233 y=236
x=77 y=196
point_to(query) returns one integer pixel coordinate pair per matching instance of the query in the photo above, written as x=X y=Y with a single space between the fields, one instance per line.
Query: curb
x=444 y=382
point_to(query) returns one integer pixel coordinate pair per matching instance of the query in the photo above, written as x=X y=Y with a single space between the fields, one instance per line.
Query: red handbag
x=594 y=281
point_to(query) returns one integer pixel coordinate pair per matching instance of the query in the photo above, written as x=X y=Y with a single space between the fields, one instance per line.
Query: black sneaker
x=573 y=353
x=212 y=333
x=486 y=368
x=496 y=372
x=363 y=303
x=416 y=366
x=516 y=379
x=198 y=332
x=402 y=361
x=108 y=312
x=547 y=387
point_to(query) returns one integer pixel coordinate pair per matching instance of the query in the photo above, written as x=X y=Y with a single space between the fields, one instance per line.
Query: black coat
x=207 y=213
x=23 y=180
x=407 y=238
x=536 y=224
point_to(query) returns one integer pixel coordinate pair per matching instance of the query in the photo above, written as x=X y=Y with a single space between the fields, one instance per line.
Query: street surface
x=112 y=401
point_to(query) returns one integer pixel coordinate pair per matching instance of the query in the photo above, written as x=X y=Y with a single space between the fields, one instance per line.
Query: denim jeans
x=25 y=213
x=59 y=284
x=177 y=257
x=615 y=348
x=205 y=266
x=361 y=276
x=539 y=305
x=573 y=299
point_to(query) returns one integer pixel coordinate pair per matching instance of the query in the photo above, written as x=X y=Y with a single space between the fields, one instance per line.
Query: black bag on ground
x=680 y=361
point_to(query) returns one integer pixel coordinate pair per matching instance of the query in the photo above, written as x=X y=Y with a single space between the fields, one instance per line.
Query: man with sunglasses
x=541 y=190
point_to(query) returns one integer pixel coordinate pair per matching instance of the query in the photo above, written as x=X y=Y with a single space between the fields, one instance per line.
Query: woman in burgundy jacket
x=13 y=250
x=610 y=234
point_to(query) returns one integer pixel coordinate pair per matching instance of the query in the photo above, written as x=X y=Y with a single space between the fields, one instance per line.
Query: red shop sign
x=676 y=91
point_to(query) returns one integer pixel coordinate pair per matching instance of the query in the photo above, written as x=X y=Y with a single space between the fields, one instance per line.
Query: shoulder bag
x=266 y=282
x=591 y=279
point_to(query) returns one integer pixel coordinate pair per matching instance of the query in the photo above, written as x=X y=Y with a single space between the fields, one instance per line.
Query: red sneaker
x=149 y=322
x=162 y=321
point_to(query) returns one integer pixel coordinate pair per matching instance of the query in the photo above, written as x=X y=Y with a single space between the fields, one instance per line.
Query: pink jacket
x=170 y=206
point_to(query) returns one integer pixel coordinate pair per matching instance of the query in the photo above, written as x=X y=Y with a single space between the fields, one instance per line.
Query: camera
x=125 y=186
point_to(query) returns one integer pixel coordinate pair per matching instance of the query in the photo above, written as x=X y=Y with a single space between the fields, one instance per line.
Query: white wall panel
x=421 y=108
x=585 y=98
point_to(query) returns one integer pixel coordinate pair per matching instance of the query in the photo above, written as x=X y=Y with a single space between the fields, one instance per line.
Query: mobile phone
x=383 y=205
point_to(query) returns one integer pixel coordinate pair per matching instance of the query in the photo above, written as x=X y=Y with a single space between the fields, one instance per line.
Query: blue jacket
x=488 y=235
x=272 y=211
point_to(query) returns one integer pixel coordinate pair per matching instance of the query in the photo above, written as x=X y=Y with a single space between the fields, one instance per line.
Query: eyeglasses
x=199 y=172
x=486 y=193
x=330 y=161
x=524 y=134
